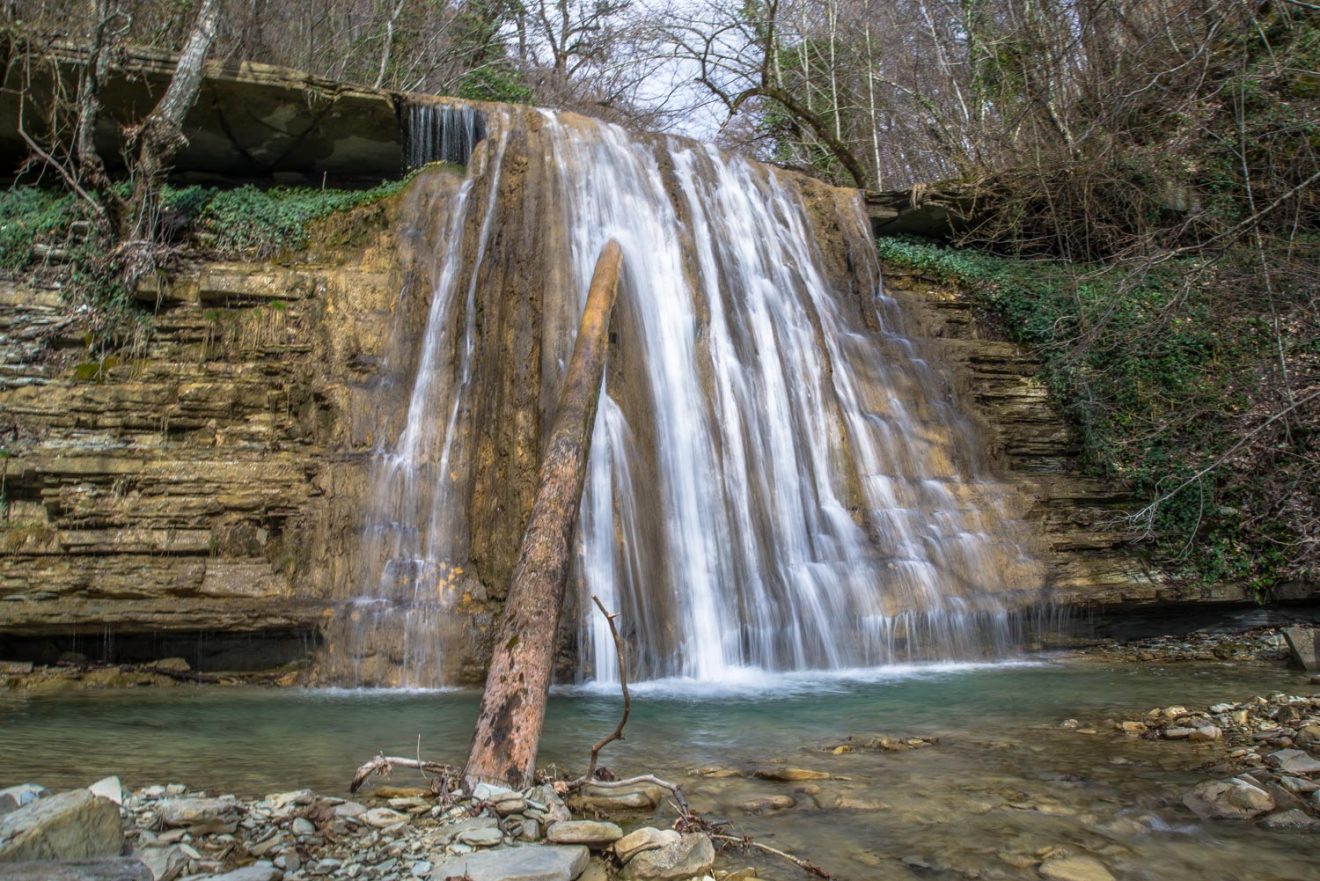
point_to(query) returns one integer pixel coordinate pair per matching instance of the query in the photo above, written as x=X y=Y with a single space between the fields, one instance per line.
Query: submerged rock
x=790 y=775
x=69 y=826
x=1234 y=799
x=1291 y=820
x=534 y=862
x=1075 y=869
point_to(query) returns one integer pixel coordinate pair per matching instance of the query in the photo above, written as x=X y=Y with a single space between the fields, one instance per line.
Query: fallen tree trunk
x=512 y=713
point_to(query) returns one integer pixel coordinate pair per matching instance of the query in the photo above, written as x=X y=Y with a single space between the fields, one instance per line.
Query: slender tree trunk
x=875 y=123
x=160 y=137
x=508 y=729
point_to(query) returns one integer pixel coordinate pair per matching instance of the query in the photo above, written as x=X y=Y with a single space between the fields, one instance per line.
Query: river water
x=1003 y=784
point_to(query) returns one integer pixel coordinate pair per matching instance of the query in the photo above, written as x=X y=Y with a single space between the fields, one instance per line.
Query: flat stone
x=1205 y=733
x=641 y=797
x=302 y=826
x=790 y=775
x=165 y=863
x=489 y=836
x=692 y=855
x=1234 y=799
x=645 y=838
x=382 y=817
x=108 y=788
x=279 y=801
x=1075 y=869
x=491 y=792
x=1299 y=785
x=201 y=814
x=1289 y=821
x=74 y=825
x=534 y=862
x=1294 y=762
x=589 y=832
x=1178 y=733
x=350 y=809
x=174 y=665
x=764 y=804
x=454 y=831
x=511 y=806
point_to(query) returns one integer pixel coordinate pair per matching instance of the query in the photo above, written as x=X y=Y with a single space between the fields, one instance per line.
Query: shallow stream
x=1003 y=784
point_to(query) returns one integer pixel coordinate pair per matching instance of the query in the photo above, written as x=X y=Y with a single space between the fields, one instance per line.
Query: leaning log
x=512 y=711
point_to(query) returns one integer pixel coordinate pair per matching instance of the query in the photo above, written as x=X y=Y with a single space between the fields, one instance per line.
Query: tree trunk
x=160 y=137
x=512 y=713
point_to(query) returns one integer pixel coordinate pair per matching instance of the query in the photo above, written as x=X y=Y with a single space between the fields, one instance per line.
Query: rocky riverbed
x=164 y=833
x=1263 y=758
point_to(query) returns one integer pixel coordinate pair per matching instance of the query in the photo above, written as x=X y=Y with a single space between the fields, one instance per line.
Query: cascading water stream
x=779 y=481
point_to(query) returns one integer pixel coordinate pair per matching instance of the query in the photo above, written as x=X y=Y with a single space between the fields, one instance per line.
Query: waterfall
x=441 y=133
x=779 y=478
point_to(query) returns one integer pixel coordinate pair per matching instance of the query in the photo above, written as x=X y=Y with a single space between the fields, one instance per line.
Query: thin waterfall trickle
x=441 y=133
x=779 y=478
x=414 y=547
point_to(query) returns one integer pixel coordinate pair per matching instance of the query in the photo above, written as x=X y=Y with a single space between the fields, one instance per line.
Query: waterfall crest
x=779 y=478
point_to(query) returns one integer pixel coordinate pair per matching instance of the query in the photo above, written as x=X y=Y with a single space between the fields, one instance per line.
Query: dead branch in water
x=622 y=655
x=745 y=842
x=383 y=765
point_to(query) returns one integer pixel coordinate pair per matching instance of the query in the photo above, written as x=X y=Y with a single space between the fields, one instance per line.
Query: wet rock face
x=1087 y=560
x=211 y=481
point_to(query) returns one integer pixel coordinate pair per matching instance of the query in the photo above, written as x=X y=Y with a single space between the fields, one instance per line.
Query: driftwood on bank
x=383 y=764
x=512 y=712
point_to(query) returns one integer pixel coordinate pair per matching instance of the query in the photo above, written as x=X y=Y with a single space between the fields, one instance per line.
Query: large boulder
x=691 y=856
x=74 y=825
x=535 y=862
x=1234 y=799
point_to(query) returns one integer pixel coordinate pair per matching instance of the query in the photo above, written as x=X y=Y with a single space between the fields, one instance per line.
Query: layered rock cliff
x=206 y=492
